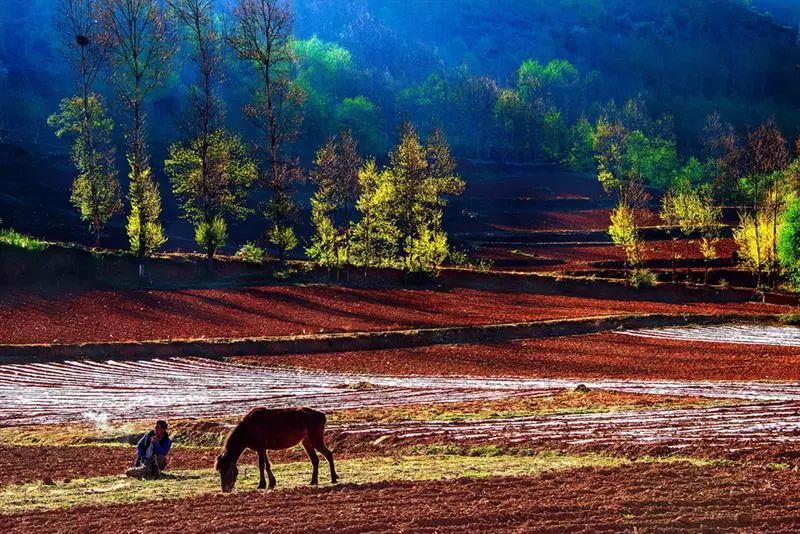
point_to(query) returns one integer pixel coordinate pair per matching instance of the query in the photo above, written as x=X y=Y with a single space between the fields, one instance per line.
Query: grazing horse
x=262 y=430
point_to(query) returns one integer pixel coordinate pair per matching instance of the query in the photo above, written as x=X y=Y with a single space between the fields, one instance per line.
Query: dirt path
x=651 y=497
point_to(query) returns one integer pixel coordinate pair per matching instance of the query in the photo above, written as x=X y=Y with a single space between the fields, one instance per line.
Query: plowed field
x=660 y=497
x=594 y=356
x=271 y=311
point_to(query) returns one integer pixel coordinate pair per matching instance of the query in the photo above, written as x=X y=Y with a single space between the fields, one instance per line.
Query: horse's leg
x=318 y=441
x=272 y=480
x=312 y=455
x=262 y=462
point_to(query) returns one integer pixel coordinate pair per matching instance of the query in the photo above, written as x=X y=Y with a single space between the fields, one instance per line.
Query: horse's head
x=227 y=472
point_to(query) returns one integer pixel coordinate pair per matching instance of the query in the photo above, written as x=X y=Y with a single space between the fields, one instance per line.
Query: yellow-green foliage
x=13 y=238
x=211 y=236
x=374 y=237
x=144 y=227
x=624 y=233
x=756 y=241
x=427 y=251
x=218 y=188
x=95 y=190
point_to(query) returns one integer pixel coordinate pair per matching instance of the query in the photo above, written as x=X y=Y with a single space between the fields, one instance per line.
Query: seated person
x=151 y=453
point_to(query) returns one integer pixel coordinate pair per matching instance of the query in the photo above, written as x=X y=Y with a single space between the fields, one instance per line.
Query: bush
x=424 y=254
x=284 y=239
x=790 y=319
x=251 y=253
x=211 y=236
x=13 y=238
x=643 y=278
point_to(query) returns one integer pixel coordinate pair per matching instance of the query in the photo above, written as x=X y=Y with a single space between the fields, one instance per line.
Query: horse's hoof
x=262 y=486
x=313 y=482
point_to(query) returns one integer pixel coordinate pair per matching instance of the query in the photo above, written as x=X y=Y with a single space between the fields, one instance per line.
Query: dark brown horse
x=262 y=430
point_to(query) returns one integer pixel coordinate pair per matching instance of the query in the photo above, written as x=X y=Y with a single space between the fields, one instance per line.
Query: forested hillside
x=378 y=62
x=569 y=82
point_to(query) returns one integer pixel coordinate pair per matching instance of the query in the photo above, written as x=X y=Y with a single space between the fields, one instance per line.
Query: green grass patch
x=22 y=498
x=12 y=238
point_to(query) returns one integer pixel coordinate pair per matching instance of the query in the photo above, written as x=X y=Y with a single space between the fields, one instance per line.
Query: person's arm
x=162 y=447
x=141 y=447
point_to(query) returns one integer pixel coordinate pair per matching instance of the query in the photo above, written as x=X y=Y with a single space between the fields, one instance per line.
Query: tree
x=624 y=228
x=753 y=236
x=375 y=237
x=652 y=160
x=95 y=191
x=789 y=241
x=581 y=137
x=212 y=173
x=262 y=37
x=336 y=168
x=691 y=209
x=211 y=178
x=427 y=251
x=145 y=233
x=140 y=51
x=709 y=221
x=761 y=166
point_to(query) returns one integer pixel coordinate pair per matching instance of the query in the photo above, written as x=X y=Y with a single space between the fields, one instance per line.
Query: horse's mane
x=233 y=437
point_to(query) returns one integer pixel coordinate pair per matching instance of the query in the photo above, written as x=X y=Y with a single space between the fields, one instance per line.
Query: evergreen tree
x=420 y=178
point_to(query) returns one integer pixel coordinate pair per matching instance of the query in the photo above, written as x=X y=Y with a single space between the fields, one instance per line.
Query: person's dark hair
x=162 y=424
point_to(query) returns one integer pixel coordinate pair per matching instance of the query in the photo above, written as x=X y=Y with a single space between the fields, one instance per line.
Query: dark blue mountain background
x=369 y=65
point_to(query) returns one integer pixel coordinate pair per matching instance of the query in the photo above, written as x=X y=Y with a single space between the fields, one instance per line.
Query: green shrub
x=791 y=319
x=251 y=253
x=643 y=278
x=13 y=238
x=211 y=236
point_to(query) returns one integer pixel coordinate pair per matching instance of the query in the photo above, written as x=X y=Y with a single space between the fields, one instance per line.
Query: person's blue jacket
x=160 y=448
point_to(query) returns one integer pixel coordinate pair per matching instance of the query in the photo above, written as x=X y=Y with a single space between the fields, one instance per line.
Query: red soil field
x=119 y=315
x=594 y=219
x=573 y=257
x=642 y=496
x=606 y=355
